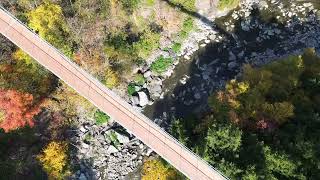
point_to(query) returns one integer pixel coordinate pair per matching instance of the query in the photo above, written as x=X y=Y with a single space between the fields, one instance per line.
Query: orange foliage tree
x=17 y=109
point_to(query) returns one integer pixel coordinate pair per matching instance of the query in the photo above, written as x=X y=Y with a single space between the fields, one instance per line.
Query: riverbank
x=212 y=54
x=253 y=37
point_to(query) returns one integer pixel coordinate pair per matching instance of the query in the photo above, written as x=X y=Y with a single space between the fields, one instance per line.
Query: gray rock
x=263 y=4
x=307 y=4
x=161 y=95
x=187 y=57
x=149 y=151
x=82 y=129
x=197 y=96
x=240 y=55
x=122 y=138
x=143 y=98
x=205 y=76
x=135 y=100
x=232 y=57
x=232 y=65
x=150 y=102
x=168 y=73
x=137 y=88
x=147 y=74
x=244 y=26
x=183 y=80
x=212 y=37
x=84 y=145
x=112 y=149
x=82 y=177
x=155 y=88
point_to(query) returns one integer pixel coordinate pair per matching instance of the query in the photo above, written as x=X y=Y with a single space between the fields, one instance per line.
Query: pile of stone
x=98 y=157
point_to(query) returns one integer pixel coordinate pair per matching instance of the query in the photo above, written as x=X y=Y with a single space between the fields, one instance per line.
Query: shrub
x=150 y=2
x=112 y=136
x=161 y=64
x=131 y=89
x=157 y=169
x=187 y=26
x=147 y=43
x=227 y=4
x=130 y=5
x=176 y=47
x=189 y=4
x=111 y=78
x=22 y=56
x=128 y=46
x=166 y=49
x=54 y=160
x=118 y=47
x=139 y=79
x=101 y=117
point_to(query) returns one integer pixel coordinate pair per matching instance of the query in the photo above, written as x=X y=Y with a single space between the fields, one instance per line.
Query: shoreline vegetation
x=262 y=125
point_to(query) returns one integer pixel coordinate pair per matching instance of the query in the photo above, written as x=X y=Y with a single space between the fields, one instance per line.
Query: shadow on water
x=221 y=61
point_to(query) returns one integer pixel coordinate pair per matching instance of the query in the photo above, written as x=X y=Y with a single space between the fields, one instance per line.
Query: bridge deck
x=87 y=86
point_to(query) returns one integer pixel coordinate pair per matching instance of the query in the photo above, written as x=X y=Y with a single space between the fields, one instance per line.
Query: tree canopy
x=48 y=20
x=264 y=125
x=16 y=110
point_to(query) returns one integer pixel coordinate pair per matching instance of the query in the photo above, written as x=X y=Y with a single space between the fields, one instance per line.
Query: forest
x=262 y=123
x=39 y=112
x=265 y=124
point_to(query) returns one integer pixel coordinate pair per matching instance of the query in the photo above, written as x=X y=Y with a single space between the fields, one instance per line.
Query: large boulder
x=135 y=100
x=143 y=98
x=123 y=139
x=147 y=74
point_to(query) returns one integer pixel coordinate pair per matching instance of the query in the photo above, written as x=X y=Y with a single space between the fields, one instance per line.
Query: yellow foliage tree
x=54 y=160
x=280 y=111
x=22 y=56
x=155 y=170
x=234 y=89
x=2 y=115
x=47 y=19
x=111 y=78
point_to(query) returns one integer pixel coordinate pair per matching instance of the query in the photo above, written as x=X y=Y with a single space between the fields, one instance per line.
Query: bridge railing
x=119 y=102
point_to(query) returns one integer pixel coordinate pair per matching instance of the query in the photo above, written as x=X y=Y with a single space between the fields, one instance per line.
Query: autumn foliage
x=17 y=109
x=54 y=160
x=155 y=169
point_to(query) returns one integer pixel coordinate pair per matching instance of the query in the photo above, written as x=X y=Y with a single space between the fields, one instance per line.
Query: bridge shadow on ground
x=196 y=15
x=222 y=61
x=19 y=148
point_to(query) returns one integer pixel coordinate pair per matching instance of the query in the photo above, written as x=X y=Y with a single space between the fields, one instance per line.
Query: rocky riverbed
x=256 y=33
x=106 y=151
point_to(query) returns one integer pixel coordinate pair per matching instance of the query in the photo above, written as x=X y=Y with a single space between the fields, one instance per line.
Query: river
x=267 y=39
